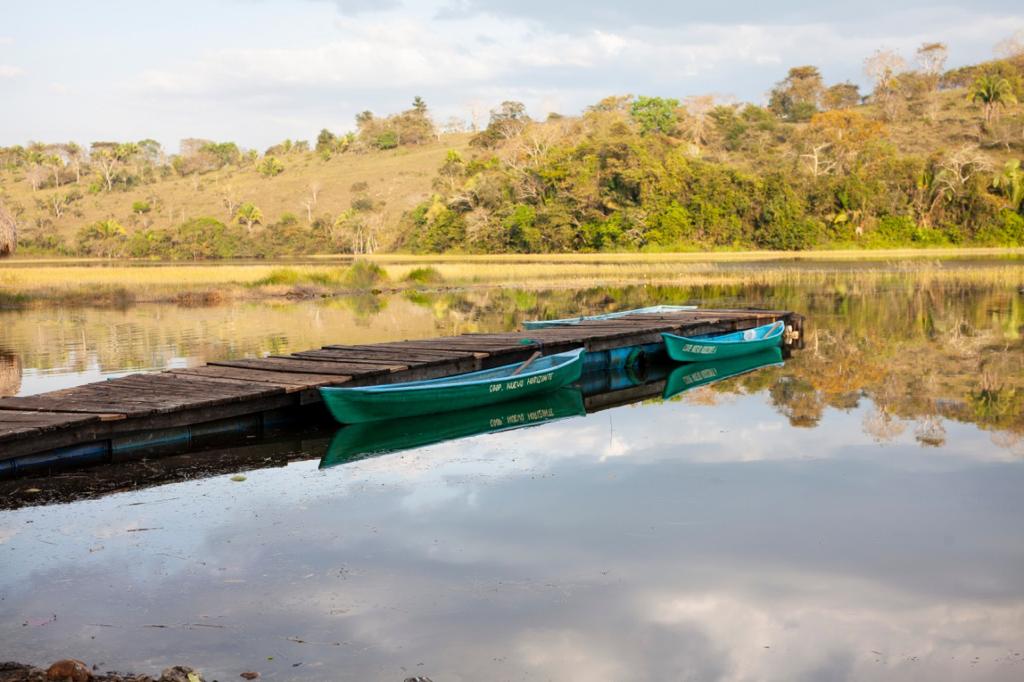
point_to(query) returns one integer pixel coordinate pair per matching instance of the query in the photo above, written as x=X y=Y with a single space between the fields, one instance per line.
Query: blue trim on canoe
x=541 y=365
x=765 y=332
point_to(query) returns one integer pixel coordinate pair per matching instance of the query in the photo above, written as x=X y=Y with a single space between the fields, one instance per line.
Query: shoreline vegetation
x=26 y=283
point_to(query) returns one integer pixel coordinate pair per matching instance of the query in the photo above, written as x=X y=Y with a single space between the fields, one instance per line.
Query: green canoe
x=459 y=392
x=722 y=346
x=685 y=377
x=358 y=441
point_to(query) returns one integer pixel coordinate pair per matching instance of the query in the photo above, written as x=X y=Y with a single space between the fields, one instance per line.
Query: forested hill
x=928 y=157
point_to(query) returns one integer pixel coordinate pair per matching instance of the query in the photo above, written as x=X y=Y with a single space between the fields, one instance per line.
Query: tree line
x=111 y=166
x=819 y=166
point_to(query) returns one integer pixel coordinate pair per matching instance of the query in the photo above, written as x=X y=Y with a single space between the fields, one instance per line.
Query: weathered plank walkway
x=238 y=397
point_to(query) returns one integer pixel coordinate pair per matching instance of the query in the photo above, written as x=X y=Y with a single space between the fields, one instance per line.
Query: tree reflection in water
x=10 y=374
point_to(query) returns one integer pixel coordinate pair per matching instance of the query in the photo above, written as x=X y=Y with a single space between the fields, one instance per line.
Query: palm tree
x=103 y=237
x=992 y=91
x=1011 y=182
x=75 y=156
x=249 y=215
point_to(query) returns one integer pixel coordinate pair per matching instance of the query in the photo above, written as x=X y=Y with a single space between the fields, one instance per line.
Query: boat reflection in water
x=367 y=439
x=593 y=392
x=691 y=375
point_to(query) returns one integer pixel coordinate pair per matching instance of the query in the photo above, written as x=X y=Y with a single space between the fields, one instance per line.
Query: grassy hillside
x=393 y=181
x=928 y=159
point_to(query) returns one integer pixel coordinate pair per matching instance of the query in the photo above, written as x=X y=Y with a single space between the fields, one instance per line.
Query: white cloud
x=6 y=533
x=398 y=53
x=809 y=629
x=353 y=7
x=339 y=57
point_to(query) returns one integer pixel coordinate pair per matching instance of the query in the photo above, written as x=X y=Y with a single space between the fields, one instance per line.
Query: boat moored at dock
x=500 y=384
x=722 y=346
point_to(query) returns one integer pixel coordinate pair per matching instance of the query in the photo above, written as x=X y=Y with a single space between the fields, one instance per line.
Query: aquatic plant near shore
x=428 y=275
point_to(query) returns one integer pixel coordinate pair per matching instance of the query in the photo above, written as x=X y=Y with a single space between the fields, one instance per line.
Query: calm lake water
x=853 y=514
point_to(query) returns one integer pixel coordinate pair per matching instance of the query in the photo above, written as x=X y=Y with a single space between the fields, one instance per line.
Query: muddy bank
x=72 y=670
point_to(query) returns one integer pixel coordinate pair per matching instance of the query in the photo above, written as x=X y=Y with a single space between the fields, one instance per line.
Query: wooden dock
x=235 y=399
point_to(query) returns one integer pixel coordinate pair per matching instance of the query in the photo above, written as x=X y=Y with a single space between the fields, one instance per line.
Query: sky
x=258 y=71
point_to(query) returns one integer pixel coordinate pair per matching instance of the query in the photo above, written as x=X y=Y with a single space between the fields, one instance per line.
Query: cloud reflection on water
x=659 y=541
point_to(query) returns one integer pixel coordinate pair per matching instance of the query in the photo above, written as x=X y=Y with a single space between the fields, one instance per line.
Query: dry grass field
x=34 y=282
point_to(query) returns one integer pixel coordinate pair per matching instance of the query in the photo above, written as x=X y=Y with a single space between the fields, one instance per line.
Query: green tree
x=451 y=172
x=202 y=238
x=992 y=91
x=103 y=238
x=249 y=215
x=110 y=158
x=655 y=114
x=521 y=233
x=364 y=118
x=270 y=167
x=386 y=140
x=1010 y=182
x=798 y=96
x=326 y=143
x=226 y=153
x=844 y=95
x=76 y=156
x=56 y=164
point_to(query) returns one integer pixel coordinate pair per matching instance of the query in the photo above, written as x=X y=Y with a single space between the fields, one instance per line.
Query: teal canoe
x=722 y=346
x=459 y=392
x=568 y=321
x=358 y=441
x=694 y=374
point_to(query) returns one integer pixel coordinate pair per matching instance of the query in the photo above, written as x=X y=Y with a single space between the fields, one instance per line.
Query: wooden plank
x=154 y=387
x=387 y=348
x=383 y=354
x=106 y=429
x=406 y=357
x=582 y=336
x=453 y=352
x=467 y=342
x=15 y=424
x=285 y=379
x=367 y=363
x=484 y=347
x=436 y=371
x=140 y=395
x=297 y=366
